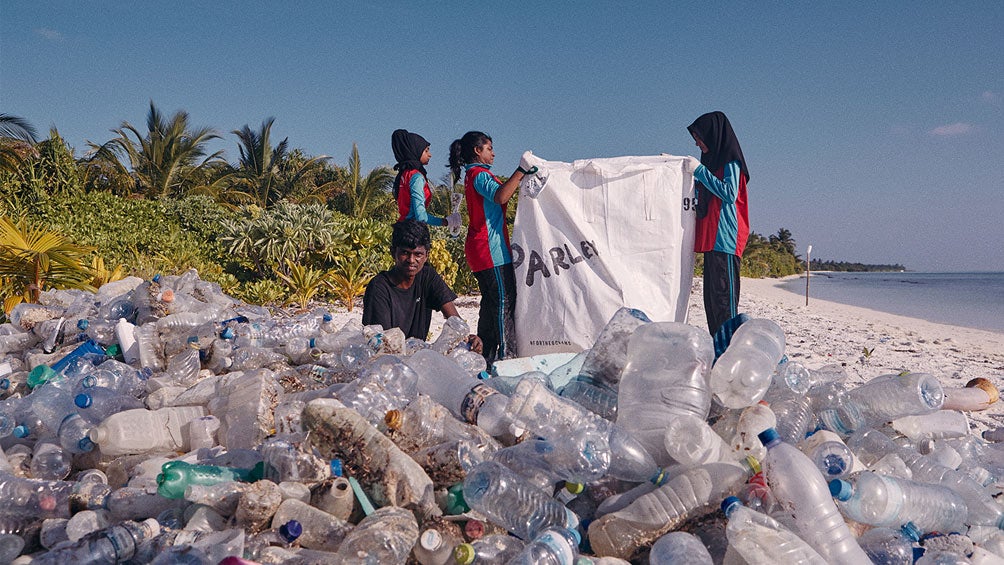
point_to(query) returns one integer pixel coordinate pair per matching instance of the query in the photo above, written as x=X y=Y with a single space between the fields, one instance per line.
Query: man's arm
x=377 y=306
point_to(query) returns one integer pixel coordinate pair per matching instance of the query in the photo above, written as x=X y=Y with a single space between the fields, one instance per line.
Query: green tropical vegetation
x=276 y=226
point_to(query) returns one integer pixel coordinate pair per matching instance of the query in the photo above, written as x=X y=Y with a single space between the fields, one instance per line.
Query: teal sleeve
x=726 y=188
x=418 y=212
x=486 y=185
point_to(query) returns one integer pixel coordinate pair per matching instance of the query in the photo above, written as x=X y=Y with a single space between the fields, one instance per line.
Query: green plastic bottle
x=176 y=476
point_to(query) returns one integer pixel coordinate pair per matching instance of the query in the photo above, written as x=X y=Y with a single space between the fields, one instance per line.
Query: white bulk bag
x=595 y=235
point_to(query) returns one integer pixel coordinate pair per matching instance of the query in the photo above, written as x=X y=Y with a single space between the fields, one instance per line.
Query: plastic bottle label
x=474 y=400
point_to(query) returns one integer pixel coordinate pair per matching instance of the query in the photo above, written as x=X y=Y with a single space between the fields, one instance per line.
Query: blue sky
x=873 y=131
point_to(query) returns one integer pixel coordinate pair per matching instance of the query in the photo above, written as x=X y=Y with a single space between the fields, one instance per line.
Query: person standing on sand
x=722 y=214
x=487 y=246
x=405 y=296
x=411 y=187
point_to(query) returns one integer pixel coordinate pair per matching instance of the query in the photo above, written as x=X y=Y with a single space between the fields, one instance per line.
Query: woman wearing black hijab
x=722 y=213
x=411 y=187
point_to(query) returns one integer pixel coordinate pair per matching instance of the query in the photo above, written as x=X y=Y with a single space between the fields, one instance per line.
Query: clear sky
x=873 y=130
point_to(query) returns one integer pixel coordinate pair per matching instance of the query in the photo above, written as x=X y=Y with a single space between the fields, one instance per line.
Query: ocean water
x=974 y=300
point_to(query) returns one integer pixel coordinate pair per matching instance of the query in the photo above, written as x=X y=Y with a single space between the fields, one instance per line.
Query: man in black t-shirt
x=405 y=296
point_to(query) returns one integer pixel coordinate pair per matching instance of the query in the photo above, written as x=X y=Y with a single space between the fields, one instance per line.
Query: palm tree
x=163 y=158
x=266 y=174
x=366 y=197
x=784 y=239
x=33 y=259
x=17 y=141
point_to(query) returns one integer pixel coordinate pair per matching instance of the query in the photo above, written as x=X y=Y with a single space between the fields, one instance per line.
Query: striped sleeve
x=416 y=187
x=726 y=188
x=486 y=185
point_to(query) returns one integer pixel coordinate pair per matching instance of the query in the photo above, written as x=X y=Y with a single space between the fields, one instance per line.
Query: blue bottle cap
x=326 y=317
x=911 y=531
x=483 y=375
x=85 y=445
x=21 y=431
x=83 y=400
x=336 y=467
x=156 y=278
x=4 y=384
x=82 y=324
x=310 y=343
x=227 y=333
x=729 y=503
x=841 y=489
x=767 y=436
x=576 y=535
x=290 y=530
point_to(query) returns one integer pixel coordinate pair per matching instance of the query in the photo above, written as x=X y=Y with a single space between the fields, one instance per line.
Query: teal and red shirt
x=487 y=244
x=413 y=198
x=726 y=227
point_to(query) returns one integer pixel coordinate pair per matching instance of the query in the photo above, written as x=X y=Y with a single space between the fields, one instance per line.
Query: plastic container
x=145 y=431
x=535 y=407
x=97 y=403
x=885 y=398
x=508 y=500
x=655 y=512
x=679 y=547
x=462 y=394
x=762 y=540
x=742 y=374
x=492 y=549
x=799 y=488
x=830 y=454
x=936 y=425
x=887 y=501
x=112 y=545
x=889 y=546
x=606 y=359
x=582 y=457
x=385 y=536
x=665 y=375
x=424 y=423
x=176 y=476
x=691 y=441
x=553 y=546
x=595 y=397
x=125 y=333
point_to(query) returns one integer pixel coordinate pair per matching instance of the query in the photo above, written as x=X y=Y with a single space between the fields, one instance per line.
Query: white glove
x=690 y=164
x=453 y=221
x=525 y=166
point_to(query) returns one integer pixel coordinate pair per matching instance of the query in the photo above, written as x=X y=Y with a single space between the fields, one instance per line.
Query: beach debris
x=163 y=420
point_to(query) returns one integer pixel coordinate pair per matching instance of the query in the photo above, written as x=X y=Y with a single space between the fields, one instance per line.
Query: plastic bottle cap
x=841 y=489
x=483 y=375
x=85 y=445
x=291 y=530
x=83 y=400
x=40 y=374
x=21 y=431
x=455 y=503
x=4 y=384
x=767 y=436
x=575 y=488
x=82 y=324
x=156 y=278
x=464 y=554
x=227 y=333
x=336 y=467
x=430 y=539
x=577 y=536
x=911 y=531
x=393 y=419
x=474 y=529
x=730 y=503
x=754 y=464
x=114 y=350
x=326 y=317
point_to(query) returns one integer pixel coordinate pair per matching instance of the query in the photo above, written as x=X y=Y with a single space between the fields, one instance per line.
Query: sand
x=828 y=332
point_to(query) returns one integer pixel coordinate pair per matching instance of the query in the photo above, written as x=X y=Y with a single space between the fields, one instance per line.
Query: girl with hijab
x=411 y=187
x=722 y=214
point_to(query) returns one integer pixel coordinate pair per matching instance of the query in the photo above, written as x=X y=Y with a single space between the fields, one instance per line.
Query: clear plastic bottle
x=691 y=441
x=73 y=434
x=535 y=407
x=455 y=330
x=874 y=499
x=679 y=547
x=492 y=549
x=151 y=353
x=800 y=489
x=176 y=476
x=424 y=423
x=97 y=403
x=49 y=461
x=753 y=420
x=742 y=374
x=665 y=375
x=508 y=500
x=762 y=540
x=435 y=545
x=144 y=431
x=595 y=397
x=888 y=397
x=112 y=545
x=888 y=546
x=36 y=498
x=582 y=457
x=553 y=546
x=183 y=368
x=125 y=334
x=463 y=395
x=830 y=454
x=115 y=375
x=321 y=530
x=606 y=359
x=385 y=536
x=654 y=513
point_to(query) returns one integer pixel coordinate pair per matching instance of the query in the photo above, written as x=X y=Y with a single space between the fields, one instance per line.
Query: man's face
x=409 y=261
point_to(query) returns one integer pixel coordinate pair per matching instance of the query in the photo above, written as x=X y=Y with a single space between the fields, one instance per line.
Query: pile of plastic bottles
x=162 y=421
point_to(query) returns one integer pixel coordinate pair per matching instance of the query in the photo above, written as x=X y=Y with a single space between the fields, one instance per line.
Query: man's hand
x=475 y=343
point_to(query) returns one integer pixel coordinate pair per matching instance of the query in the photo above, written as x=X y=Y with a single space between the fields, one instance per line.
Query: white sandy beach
x=828 y=332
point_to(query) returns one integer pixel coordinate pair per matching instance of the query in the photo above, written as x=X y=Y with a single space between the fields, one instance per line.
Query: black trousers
x=721 y=288
x=496 y=323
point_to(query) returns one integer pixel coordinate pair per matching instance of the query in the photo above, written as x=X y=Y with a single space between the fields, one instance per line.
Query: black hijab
x=408 y=148
x=715 y=131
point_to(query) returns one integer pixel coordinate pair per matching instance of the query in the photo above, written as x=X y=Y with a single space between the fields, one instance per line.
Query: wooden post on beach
x=808 y=253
